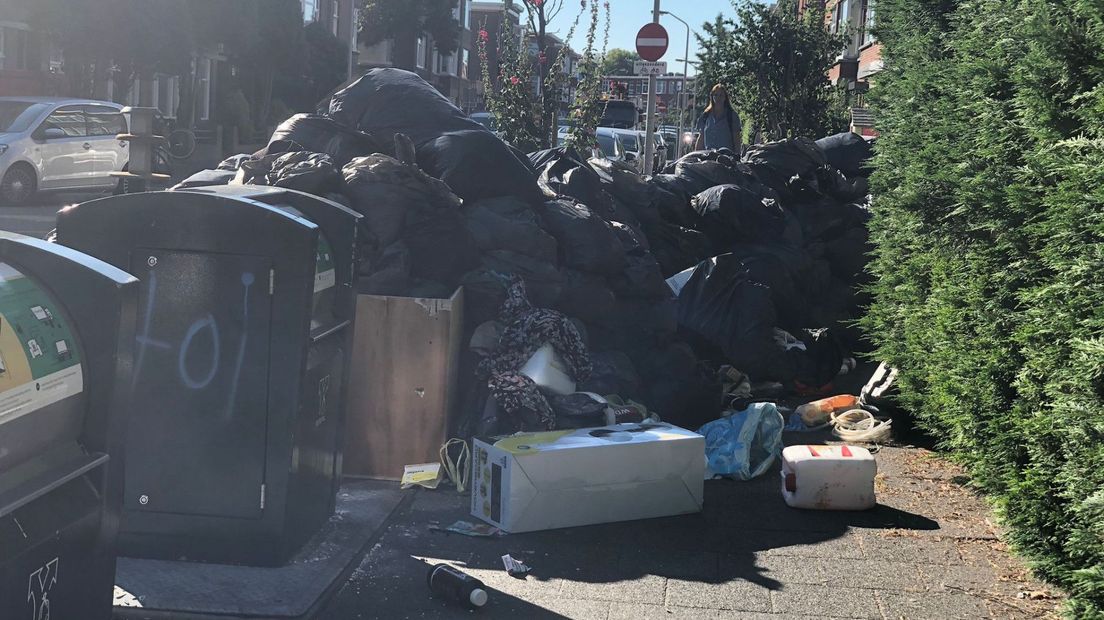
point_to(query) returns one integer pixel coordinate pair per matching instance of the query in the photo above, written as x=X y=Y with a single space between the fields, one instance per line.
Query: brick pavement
x=928 y=551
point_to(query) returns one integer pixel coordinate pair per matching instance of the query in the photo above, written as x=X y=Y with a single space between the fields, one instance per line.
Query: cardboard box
x=402 y=382
x=540 y=481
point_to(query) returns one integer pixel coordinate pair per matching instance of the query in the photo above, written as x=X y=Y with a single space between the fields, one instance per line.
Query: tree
x=586 y=111
x=775 y=64
x=526 y=115
x=619 y=62
x=385 y=19
x=539 y=13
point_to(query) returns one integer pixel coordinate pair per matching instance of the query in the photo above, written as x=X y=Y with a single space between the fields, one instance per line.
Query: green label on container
x=39 y=360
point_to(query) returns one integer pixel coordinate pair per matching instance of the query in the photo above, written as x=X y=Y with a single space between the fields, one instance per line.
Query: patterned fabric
x=527 y=329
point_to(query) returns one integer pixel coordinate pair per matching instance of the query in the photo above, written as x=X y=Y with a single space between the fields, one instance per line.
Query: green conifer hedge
x=989 y=229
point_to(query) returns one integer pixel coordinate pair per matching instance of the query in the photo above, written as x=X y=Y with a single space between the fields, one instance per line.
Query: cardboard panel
x=402 y=384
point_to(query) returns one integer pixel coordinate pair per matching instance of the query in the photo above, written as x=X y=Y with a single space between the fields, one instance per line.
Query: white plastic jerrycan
x=828 y=477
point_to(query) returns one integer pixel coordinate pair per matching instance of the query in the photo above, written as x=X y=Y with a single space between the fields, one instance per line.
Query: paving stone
x=932 y=605
x=554 y=607
x=974 y=578
x=846 y=545
x=790 y=569
x=875 y=575
x=695 y=566
x=625 y=611
x=823 y=601
x=737 y=595
x=909 y=548
x=645 y=589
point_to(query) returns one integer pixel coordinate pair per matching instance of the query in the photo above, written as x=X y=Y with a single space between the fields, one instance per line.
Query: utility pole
x=649 y=124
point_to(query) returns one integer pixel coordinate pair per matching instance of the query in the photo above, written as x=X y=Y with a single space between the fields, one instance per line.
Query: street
x=37 y=218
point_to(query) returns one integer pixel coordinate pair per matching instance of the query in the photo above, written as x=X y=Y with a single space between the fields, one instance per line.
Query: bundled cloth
x=526 y=330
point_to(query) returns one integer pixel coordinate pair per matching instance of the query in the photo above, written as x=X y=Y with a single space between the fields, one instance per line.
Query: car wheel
x=18 y=185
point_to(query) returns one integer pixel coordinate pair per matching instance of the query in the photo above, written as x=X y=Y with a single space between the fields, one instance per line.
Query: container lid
x=478 y=597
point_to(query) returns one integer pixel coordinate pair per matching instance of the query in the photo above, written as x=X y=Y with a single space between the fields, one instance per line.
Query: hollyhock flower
x=514 y=80
x=484 y=36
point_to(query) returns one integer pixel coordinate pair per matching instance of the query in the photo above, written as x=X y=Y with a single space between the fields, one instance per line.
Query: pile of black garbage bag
x=754 y=263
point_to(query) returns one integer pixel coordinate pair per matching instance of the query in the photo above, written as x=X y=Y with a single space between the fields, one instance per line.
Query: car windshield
x=17 y=116
x=484 y=119
x=628 y=140
x=608 y=146
x=619 y=114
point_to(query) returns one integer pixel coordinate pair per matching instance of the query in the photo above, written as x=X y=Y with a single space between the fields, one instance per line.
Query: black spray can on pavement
x=449 y=582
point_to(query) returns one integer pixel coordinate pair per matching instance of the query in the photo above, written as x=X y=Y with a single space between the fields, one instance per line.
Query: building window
x=203 y=79
x=167 y=95
x=420 y=52
x=310 y=11
x=644 y=87
x=842 y=17
x=867 y=22
x=335 y=15
x=464 y=64
x=446 y=63
x=466 y=22
x=13 y=49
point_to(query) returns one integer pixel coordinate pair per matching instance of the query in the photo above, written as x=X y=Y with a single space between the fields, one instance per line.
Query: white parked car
x=51 y=144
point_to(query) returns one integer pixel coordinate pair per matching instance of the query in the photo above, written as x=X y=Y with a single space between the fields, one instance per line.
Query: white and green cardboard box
x=541 y=481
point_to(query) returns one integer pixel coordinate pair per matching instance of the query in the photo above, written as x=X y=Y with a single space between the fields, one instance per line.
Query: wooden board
x=402 y=382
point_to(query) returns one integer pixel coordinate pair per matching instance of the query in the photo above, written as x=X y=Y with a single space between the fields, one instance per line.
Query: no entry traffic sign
x=651 y=42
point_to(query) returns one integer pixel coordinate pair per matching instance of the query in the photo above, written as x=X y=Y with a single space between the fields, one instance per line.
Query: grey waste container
x=245 y=311
x=66 y=336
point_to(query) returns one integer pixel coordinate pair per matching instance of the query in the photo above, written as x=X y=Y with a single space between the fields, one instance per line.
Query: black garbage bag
x=587 y=242
x=847 y=151
x=509 y=224
x=731 y=214
x=206 y=178
x=775 y=163
x=539 y=159
x=389 y=274
x=677 y=248
x=321 y=134
x=826 y=219
x=722 y=308
x=613 y=373
x=565 y=177
x=577 y=410
x=543 y=281
x=705 y=174
x=725 y=156
x=441 y=248
x=678 y=387
x=587 y=296
x=834 y=183
x=390 y=195
x=386 y=101
x=630 y=191
x=234 y=161
x=642 y=278
x=305 y=171
x=476 y=164
x=673 y=207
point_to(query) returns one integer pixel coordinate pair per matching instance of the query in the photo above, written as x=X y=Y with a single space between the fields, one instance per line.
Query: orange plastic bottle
x=817 y=412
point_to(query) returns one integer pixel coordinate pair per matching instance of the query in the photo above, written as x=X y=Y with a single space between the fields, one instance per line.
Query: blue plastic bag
x=744 y=444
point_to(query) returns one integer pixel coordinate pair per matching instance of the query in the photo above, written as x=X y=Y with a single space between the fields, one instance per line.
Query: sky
x=627 y=16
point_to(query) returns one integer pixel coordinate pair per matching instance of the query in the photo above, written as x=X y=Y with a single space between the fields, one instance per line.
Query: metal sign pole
x=649 y=125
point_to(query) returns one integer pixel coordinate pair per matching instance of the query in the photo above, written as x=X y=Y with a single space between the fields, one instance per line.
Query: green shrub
x=989 y=235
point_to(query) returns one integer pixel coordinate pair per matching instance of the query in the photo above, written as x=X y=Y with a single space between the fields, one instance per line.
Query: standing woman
x=719 y=125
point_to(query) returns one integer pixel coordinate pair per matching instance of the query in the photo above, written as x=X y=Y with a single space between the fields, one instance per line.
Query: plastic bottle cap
x=478 y=597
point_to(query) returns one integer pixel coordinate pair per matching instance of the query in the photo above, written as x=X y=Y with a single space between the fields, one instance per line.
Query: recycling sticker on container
x=39 y=362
